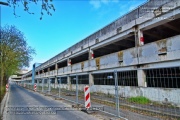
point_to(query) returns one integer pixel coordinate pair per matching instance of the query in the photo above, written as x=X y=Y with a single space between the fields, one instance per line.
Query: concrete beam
x=153 y=35
x=160 y=20
x=124 y=44
x=116 y=38
x=172 y=27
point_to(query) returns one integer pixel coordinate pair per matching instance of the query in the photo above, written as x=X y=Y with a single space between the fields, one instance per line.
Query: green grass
x=2 y=92
x=139 y=100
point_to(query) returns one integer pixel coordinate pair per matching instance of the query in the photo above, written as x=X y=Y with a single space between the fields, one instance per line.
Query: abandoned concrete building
x=143 y=46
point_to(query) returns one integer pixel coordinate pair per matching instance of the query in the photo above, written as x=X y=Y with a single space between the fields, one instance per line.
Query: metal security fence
x=158 y=98
x=134 y=94
x=163 y=78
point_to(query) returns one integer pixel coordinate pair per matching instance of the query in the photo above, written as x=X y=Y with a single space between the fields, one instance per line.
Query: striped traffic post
x=92 y=54
x=7 y=86
x=35 y=87
x=141 y=38
x=87 y=97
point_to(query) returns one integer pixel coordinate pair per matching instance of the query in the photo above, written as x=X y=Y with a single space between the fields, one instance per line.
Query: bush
x=2 y=92
x=139 y=99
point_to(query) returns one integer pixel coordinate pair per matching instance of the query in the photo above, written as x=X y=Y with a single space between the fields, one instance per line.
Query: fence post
x=49 y=85
x=76 y=89
x=42 y=85
x=37 y=84
x=59 y=87
x=116 y=92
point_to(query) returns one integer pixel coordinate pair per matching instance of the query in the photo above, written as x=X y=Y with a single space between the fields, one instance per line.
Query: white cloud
x=98 y=3
x=95 y=3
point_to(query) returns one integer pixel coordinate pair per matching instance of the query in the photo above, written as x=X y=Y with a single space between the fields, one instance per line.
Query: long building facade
x=142 y=47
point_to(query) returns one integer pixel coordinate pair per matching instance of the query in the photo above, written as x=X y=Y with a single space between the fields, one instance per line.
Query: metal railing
x=119 y=94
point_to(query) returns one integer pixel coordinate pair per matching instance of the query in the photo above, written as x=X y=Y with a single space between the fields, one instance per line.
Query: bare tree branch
x=46 y=6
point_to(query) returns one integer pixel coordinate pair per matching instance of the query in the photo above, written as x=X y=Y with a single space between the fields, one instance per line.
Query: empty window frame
x=127 y=78
x=104 y=79
x=82 y=79
x=163 y=77
x=52 y=80
x=63 y=80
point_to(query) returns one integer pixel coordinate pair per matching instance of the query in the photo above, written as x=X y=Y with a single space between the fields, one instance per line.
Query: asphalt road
x=27 y=105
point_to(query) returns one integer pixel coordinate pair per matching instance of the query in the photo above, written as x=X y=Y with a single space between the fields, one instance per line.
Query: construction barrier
x=7 y=87
x=87 y=97
x=35 y=87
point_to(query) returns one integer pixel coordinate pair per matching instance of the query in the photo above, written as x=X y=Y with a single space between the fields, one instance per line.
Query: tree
x=14 y=51
x=46 y=6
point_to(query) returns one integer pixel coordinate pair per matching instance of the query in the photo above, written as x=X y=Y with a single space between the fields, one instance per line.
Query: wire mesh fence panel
x=27 y=85
x=38 y=86
x=158 y=96
x=31 y=86
x=163 y=86
x=46 y=86
x=103 y=93
x=54 y=88
x=127 y=84
x=83 y=80
x=151 y=93
x=71 y=93
x=65 y=89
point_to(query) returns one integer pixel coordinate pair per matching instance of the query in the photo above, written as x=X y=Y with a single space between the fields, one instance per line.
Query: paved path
x=33 y=102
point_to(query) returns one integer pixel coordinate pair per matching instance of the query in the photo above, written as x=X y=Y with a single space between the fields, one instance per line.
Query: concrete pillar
x=140 y=38
x=91 y=54
x=42 y=85
x=91 y=79
x=141 y=78
x=56 y=69
x=69 y=62
x=48 y=71
x=56 y=66
x=56 y=82
x=37 y=84
x=69 y=83
x=49 y=84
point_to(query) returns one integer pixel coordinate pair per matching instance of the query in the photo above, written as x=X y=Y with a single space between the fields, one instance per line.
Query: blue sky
x=72 y=21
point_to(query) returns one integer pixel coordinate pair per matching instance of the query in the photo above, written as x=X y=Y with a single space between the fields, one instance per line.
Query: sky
x=72 y=21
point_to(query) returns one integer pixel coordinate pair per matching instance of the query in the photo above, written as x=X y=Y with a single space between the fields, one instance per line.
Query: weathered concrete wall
x=162 y=50
x=161 y=95
x=76 y=68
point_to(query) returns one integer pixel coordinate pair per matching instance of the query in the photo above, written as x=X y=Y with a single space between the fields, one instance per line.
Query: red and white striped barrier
x=87 y=96
x=7 y=87
x=35 y=87
x=141 y=37
x=142 y=40
x=92 y=54
x=69 y=62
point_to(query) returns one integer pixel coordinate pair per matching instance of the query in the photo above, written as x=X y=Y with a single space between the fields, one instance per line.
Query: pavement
x=3 y=103
x=24 y=104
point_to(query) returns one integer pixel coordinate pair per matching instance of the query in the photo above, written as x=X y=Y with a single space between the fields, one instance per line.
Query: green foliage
x=2 y=92
x=14 y=51
x=139 y=100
